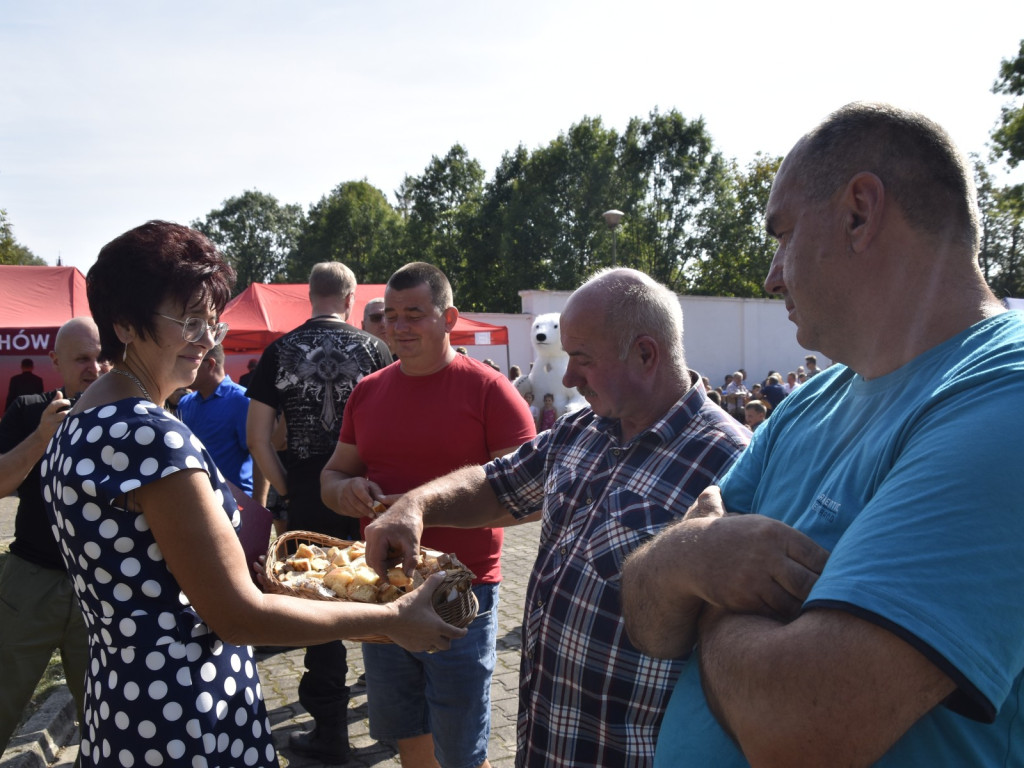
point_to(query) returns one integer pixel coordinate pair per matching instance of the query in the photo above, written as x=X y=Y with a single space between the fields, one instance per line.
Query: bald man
x=34 y=587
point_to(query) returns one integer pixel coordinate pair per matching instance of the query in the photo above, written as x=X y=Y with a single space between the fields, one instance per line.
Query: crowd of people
x=817 y=569
x=752 y=406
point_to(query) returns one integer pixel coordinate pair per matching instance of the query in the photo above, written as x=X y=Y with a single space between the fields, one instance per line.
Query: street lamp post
x=612 y=219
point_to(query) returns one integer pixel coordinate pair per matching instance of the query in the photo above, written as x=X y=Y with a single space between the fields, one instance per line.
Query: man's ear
x=865 y=204
x=647 y=349
x=451 y=315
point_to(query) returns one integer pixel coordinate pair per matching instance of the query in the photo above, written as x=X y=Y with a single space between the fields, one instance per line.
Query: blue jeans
x=446 y=694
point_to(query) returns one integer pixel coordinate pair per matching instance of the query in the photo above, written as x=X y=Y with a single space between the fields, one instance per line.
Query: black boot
x=327 y=744
x=324 y=695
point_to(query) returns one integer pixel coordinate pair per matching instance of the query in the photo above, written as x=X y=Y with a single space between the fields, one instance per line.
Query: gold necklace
x=134 y=378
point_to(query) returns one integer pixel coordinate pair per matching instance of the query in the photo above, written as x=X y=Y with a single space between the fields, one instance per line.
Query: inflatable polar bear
x=549 y=363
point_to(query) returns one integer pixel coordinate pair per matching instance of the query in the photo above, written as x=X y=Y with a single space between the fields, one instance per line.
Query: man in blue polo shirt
x=863 y=606
x=216 y=412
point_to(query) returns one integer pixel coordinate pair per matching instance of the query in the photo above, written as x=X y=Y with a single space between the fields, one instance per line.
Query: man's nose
x=568 y=378
x=774 y=283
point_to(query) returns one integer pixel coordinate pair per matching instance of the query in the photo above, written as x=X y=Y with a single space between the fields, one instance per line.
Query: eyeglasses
x=375 y=317
x=193 y=328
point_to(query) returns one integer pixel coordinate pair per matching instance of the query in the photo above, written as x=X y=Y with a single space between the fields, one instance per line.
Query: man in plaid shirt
x=603 y=480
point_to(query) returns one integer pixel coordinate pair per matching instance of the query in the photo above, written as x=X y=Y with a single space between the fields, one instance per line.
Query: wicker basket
x=458 y=611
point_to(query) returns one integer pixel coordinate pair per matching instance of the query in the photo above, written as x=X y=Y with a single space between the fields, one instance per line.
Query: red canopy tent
x=262 y=313
x=34 y=303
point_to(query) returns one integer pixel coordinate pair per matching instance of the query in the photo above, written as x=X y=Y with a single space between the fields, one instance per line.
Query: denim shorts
x=446 y=694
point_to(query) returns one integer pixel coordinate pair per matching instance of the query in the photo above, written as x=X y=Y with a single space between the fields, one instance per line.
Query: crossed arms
x=822 y=687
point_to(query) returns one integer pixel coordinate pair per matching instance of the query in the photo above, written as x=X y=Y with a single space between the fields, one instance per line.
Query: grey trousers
x=38 y=614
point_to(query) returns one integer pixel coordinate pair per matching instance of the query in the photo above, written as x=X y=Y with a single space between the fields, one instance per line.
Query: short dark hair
x=418 y=273
x=917 y=161
x=216 y=352
x=138 y=270
x=28 y=362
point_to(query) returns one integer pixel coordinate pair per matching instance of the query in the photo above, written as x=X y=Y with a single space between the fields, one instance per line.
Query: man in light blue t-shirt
x=865 y=605
x=216 y=412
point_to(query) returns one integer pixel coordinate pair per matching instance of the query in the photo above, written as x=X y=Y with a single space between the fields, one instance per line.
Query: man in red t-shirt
x=430 y=413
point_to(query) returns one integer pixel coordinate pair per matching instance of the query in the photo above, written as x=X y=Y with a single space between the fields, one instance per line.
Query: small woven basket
x=459 y=610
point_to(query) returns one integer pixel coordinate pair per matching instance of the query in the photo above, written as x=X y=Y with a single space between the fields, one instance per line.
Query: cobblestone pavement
x=280 y=673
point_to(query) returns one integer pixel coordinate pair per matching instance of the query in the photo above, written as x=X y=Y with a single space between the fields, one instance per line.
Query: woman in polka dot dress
x=147 y=529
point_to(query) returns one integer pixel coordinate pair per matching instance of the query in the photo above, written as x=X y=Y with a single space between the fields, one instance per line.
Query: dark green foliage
x=693 y=219
x=256 y=234
x=355 y=225
x=11 y=251
x=1008 y=137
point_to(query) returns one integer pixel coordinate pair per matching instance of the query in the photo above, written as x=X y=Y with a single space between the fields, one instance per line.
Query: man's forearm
x=765 y=701
x=260 y=485
x=745 y=563
x=661 y=617
x=265 y=459
x=461 y=499
x=825 y=689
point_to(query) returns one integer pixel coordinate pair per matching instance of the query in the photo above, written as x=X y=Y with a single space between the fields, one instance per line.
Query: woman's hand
x=417 y=627
x=259 y=568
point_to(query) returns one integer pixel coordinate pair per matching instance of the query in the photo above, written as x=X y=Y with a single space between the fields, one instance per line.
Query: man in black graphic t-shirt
x=307 y=376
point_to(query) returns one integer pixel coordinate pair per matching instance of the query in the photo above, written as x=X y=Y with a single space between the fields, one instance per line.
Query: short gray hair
x=917 y=161
x=637 y=305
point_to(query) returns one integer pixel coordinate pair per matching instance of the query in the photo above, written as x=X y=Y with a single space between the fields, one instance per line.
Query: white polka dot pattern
x=161 y=689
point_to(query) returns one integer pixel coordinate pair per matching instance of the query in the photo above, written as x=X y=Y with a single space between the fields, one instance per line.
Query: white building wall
x=720 y=334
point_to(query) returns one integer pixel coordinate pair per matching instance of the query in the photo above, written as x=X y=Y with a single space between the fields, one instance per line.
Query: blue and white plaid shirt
x=586 y=695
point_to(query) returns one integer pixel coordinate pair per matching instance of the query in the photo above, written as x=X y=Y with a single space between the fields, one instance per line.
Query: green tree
x=672 y=176
x=1001 y=256
x=512 y=238
x=541 y=217
x=1008 y=137
x=735 y=251
x=574 y=179
x=542 y=225
x=443 y=204
x=11 y=251
x=355 y=225
x=256 y=234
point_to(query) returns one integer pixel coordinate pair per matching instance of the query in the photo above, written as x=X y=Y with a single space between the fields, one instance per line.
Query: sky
x=114 y=113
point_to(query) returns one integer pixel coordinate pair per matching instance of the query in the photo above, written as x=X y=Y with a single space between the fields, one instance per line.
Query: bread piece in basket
x=319 y=567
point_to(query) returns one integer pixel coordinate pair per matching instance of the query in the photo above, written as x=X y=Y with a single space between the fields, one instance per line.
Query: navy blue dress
x=162 y=688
